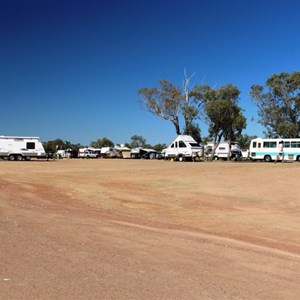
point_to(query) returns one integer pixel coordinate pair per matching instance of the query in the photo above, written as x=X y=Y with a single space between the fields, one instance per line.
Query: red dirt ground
x=145 y=229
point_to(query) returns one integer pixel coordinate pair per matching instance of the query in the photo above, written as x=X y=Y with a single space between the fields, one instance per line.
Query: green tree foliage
x=159 y=147
x=244 y=140
x=137 y=141
x=279 y=105
x=165 y=102
x=104 y=142
x=190 y=114
x=194 y=131
x=221 y=111
x=59 y=144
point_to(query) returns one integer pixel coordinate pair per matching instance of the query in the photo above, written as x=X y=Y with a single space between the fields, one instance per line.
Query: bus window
x=269 y=144
x=286 y=145
x=259 y=145
x=295 y=144
x=254 y=144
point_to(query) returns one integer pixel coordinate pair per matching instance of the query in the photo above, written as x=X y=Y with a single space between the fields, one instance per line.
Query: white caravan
x=19 y=148
x=184 y=147
x=222 y=150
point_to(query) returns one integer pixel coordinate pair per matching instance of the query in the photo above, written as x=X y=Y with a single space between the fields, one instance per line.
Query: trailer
x=21 y=148
x=222 y=150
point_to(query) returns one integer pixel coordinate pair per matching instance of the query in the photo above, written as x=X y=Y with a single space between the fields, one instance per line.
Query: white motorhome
x=222 y=151
x=21 y=148
x=184 y=147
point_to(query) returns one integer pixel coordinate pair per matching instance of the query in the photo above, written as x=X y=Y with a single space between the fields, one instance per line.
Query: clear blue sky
x=71 y=69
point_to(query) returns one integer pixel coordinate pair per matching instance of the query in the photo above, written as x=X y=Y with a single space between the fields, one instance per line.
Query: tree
x=165 y=102
x=159 y=147
x=104 y=142
x=279 y=105
x=190 y=112
x=137 y=141
x=222 y=113
x=59 y=144
x=244 y=140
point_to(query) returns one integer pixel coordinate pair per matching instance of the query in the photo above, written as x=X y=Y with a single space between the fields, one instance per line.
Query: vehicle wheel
x=181 y=158
x=11 y=157
x=298 y=158
x=216 y=158
x=27 y=158
x=268 y=158
x=19 y=157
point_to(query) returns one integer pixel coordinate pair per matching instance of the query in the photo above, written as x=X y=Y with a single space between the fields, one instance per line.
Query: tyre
x=216 y=158
x=181 y=158
x=19 y=157
x=268 y=158
x=11 y=157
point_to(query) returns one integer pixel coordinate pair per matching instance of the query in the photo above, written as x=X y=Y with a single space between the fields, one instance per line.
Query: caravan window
x=30 y=145
x=195 y=145
x=182 y=144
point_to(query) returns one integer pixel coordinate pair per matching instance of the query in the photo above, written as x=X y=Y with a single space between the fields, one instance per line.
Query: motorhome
x=184 y=147
x=21 y=148
x=222 y=150
x=270 y=149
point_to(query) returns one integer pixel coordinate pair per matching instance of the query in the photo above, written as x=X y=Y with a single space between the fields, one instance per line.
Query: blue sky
x=71 y=69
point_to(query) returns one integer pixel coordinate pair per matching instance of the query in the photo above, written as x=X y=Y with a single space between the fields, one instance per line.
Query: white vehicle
x=184 y=147
x=222 y=151
x=87 y=153
x=270 y=149
x=21 y=148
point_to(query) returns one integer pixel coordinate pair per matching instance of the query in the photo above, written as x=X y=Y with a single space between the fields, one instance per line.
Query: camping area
x=149 y=229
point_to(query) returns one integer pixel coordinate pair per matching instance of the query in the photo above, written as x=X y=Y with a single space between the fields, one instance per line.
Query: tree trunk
x=176 y=124
x=229 y=150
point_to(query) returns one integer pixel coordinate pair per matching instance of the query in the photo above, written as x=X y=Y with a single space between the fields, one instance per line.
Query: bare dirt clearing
x=138 y=229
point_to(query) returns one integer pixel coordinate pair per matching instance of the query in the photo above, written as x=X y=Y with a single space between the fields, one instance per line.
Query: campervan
x=222 y=151
x=184 y=147
x=21 y=148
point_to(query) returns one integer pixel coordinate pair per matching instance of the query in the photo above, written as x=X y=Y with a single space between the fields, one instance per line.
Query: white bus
x=269 y=149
